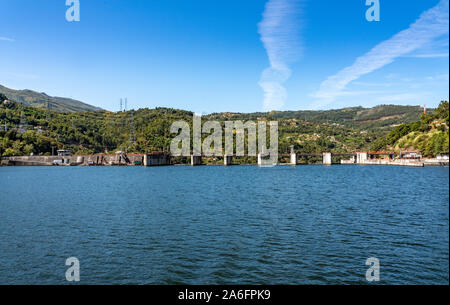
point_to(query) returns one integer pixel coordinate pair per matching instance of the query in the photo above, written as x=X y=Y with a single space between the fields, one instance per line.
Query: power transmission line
x=47 y=116
x=132 y=137
x=23 y=121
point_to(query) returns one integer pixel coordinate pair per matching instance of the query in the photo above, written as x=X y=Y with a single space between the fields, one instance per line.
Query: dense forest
x=25 y=130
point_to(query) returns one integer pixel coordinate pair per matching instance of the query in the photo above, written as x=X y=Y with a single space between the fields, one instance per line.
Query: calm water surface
x=224 y=225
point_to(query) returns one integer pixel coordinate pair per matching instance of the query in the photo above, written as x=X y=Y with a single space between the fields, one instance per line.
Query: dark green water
x=224 y=225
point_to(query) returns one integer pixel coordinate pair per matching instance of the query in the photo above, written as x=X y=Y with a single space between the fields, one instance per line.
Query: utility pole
x=23 y=121
x=48 y=114
x=120 y=105
x=132 y=137
x=165 y=119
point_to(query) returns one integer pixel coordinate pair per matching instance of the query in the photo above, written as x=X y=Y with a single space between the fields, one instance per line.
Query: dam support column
x=80 y=160
x=196 y=160
x=156 y=159
x=327 y=159
x=228 y=160
x=145 y=161
x=267 y=160
x=260 y=159
x=293 y=159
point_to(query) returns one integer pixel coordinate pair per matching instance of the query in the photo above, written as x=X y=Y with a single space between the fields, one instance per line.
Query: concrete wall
x=30 y=160
x=436 y=162
x=405 y=162
x=345 y=162
x=82 y=160
x=352 y=160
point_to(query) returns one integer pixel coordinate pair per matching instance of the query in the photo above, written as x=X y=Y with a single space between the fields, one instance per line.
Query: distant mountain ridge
x=378 y=117
x=381 y=117
x=40 y=100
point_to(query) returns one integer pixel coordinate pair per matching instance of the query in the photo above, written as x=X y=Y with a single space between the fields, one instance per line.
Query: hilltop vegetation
x=41 y=100
x=429 y=135
x=355 y=117
x=342 y=130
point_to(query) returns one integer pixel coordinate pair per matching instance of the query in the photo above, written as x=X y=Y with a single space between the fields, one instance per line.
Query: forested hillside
x=429 y=135
x=26 y=130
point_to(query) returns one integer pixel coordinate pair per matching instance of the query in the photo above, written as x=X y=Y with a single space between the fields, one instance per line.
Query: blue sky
x=234 y=55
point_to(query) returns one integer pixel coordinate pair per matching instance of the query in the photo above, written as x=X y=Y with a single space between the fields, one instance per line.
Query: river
x=224 y=225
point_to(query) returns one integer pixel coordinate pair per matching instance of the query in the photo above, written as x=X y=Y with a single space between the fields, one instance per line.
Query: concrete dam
x=164 y=159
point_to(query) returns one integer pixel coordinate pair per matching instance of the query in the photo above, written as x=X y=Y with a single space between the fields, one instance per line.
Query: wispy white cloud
x=438 y=48
x=24 y=75
x=438 y=77
x=370 y=84
x=279 y=30
x=397 y=98
x=7 y=39
x=432 y=24
x=430 y=55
